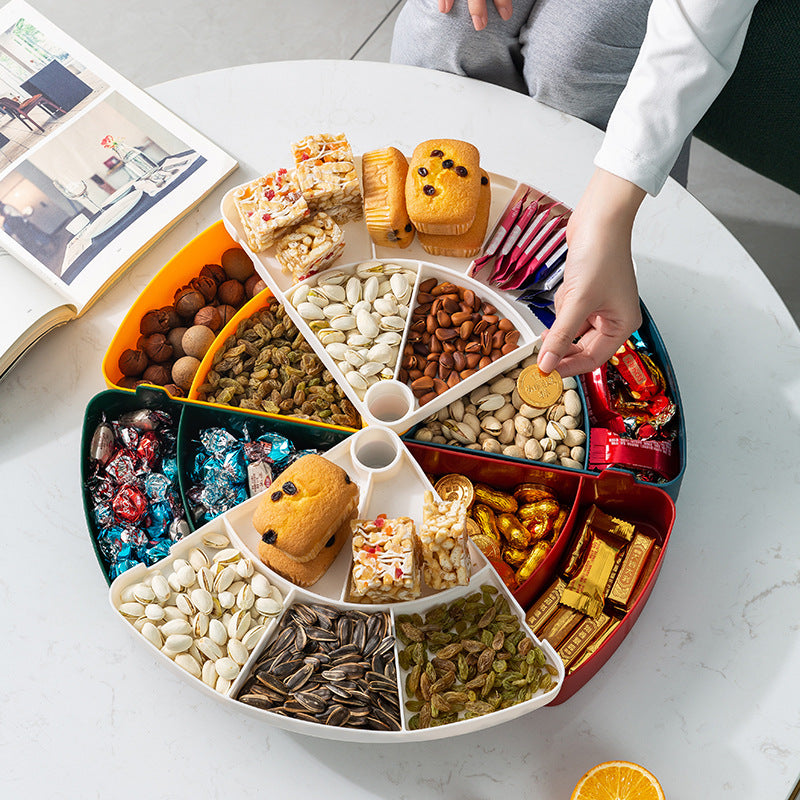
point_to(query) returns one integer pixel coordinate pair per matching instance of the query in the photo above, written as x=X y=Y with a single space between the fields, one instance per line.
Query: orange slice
x=618 y=780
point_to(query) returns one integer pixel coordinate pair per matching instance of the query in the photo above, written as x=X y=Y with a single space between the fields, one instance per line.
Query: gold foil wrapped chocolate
x=487 y=523
x=513 y=530
x=488 y=545
x=632 y=566
x=455 y=487
x=517 y=527
x=595 y=644
x=532 y=493
x=560 y=625
x=535 y=557
x=596 y=521
x=580 y=637
x=514 y=556
x=495 y=499
x=537 y=388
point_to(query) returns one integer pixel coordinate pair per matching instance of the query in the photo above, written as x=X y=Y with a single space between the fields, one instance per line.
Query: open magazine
x=92 y=171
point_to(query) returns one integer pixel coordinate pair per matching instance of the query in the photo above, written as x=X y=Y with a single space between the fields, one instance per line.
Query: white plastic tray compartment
x=390 y=482
x=319 y=730
x=411 y=268
x=406 y=411
x=485 y=576
x=181 y=549
x=358 y=244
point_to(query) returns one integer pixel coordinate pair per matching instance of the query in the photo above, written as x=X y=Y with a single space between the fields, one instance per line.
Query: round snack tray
x=396 y=488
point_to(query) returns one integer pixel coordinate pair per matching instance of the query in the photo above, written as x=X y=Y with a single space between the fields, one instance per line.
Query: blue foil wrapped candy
x=227 y=464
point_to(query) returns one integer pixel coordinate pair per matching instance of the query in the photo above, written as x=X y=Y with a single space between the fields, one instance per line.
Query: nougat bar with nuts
x=385 y=564
x=310 y=247
x=327 y=175
x=443 y=543
x=268 y=206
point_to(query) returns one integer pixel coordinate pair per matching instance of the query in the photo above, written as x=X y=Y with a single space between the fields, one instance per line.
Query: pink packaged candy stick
x=500 y=233
x=511 y=243
x=529 y=268
x=541 y=239
x=510 y=264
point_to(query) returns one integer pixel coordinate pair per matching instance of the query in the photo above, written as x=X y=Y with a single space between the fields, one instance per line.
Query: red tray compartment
x=616 y=492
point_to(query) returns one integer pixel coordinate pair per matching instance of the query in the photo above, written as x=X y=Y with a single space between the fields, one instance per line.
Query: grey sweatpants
x=573 y=55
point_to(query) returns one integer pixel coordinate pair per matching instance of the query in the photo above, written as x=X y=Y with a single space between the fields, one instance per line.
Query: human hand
x=478 y=12
x=598 y=300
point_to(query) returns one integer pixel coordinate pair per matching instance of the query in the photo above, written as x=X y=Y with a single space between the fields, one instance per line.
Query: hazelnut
x=155 y=321
x=206 y=286
x=197 y=340
x=225 y=314
x=174 y=390
x=208 y=316
x=172 y=314
x=158 y=374
x=183 y=371
x=188 y=302
x=215 y=272
x=231 y=293
x=157 y=348
x=128 y=382
x=250 y=285
x=132 y=363
x=174 y=338
x=237 y=264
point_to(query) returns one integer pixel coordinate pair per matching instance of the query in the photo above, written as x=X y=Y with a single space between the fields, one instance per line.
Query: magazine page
x=92 y=169
x=28 y=309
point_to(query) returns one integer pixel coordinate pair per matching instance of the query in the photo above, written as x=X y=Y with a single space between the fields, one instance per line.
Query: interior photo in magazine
x=77 y=192
x=41 y=87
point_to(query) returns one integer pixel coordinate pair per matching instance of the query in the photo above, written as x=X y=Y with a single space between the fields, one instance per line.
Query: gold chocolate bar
x=591 y=648
x=596 y=522
x=608 y=524
x=580 y=637
x=547 y=605
x=632 y=566
x=559 y=626
x=586 y=591
x=646 y=572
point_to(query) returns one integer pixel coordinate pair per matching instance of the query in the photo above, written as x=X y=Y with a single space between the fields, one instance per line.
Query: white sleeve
x=689 y=51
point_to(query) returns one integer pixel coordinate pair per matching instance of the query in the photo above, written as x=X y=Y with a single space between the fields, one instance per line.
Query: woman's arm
x=598 y=300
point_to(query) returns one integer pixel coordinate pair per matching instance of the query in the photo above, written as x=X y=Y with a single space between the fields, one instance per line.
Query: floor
x=152 y=41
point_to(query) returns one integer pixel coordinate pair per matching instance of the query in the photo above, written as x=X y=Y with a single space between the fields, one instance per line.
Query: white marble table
x=703 y=691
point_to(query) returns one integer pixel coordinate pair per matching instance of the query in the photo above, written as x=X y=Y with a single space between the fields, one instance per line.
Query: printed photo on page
x=92 y=169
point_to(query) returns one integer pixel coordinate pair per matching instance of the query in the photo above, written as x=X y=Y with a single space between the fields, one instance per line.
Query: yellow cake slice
x=443 y=186
x=384 y=179
x=465 y=245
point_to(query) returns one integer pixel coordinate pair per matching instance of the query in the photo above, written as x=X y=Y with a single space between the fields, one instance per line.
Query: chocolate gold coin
x=537 y=389
x=473 y=529
x=455 y=487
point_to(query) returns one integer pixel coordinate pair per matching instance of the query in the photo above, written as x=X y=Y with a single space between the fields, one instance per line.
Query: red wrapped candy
x=129 y=504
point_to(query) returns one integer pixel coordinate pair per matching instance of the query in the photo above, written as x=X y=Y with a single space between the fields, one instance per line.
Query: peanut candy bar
x=310 y=247
x=328 y=177
x=385 y=565
x=268 y=206
x=443 y=541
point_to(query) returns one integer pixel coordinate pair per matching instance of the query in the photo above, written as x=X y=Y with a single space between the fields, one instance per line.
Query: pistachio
x=204 y=625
